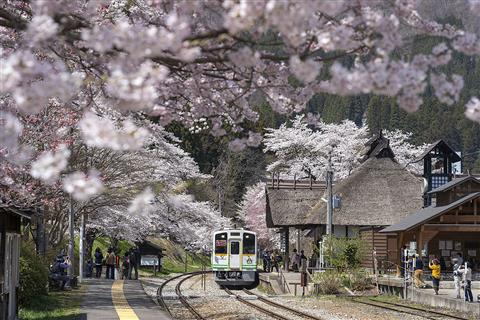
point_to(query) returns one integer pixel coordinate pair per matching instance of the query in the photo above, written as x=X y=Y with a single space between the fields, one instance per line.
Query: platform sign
x=282 y=242
x=149 y=260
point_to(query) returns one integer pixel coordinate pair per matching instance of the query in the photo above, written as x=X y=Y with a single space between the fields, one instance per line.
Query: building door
x=235 y=254
x=12 y=256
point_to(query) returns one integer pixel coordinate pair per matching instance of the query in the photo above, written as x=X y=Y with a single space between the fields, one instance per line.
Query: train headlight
x=239 y=275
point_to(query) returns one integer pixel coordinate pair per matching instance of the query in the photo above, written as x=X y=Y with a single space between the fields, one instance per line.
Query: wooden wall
x=374 y=241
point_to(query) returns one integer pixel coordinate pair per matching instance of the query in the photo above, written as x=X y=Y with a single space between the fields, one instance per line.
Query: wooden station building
x=379 y=193
x=449 y=226
x=10 y=235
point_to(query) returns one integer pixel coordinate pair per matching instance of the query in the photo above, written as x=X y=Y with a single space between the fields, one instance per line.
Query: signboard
x=149 y=260
x=282 y=242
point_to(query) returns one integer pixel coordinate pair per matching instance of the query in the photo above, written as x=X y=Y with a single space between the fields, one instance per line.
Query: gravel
x=214 y=303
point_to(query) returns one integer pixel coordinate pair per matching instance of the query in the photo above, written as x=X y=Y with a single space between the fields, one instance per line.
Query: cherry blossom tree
x=252 y=212
x=302 y=151
x=200 y=61
x=197 y=63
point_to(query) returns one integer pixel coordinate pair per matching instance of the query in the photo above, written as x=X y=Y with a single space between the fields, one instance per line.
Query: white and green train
x=234 y=258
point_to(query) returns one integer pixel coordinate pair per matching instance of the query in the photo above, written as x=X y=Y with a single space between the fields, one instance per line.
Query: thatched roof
x=290 y=207
x=379 y=192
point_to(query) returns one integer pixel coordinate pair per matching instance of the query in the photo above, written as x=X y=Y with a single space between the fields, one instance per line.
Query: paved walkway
x=118 y=300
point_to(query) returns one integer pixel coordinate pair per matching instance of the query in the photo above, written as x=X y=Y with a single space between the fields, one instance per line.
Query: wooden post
x=475 y=209
x=287 y=251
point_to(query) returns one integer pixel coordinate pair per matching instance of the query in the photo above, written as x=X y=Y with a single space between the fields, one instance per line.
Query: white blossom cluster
x=101 y=132
x=473 y=109
x=142 y=203
x=83 y=186
x=10 y=130
x=301 y=151
x=252 y=211
x=48 y=166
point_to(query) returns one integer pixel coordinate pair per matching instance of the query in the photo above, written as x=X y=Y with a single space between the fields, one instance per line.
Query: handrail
x=283 y=281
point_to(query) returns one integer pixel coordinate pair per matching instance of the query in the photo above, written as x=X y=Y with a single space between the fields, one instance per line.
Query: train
x=234 y=258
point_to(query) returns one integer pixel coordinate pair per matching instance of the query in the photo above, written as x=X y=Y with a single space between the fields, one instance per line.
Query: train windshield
x=221 y=243
x=248 y=243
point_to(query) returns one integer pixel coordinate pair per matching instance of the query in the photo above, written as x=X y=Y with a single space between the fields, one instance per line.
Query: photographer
x=434 y=265
x=466 y=271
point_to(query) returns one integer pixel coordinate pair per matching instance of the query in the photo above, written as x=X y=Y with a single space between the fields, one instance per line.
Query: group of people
x=129 y=263
x=462 y=274
x=273 y=259
x=298 y=261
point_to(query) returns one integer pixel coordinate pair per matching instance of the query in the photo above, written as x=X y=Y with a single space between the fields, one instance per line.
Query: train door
x=234 y=254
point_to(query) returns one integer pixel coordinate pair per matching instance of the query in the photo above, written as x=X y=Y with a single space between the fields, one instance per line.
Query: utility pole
x=71 y=243
x=329 y=180
x=81 y=247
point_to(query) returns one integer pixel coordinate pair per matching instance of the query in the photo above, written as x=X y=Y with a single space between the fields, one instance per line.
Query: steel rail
x=183 y=300
x=378 y=305
x=281 y=306
x=253 y=305
x=423 y=310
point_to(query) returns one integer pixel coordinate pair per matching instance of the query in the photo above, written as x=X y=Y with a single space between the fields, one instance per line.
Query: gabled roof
x=415 y=219
x=455 y=182
x=378 y=146
x=379 y=192
x=25 y=213
x=442 y=145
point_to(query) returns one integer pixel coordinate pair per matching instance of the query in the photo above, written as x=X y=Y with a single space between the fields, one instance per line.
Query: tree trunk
x=90 y=236
x=40 y=239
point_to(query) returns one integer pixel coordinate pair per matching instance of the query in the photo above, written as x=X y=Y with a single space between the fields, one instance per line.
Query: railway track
x=178 y=292
x=281 y=306
x=427 y=314
x=271 y=303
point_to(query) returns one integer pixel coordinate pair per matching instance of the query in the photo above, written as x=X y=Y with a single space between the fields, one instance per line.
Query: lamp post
x=71 y=243
x=329 y=181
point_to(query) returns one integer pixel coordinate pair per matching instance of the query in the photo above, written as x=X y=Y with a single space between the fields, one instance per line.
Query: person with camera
x=434 y=265
x=457 y=277
x=466 y=271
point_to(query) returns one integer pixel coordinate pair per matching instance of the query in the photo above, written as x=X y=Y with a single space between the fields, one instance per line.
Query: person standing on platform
x=418 y=272
x=133 y=265
x=110 y=262
x=295 y=260
x=456 y=277
x=275 y=260
x=466 y=271
x=303 y=270
x=434 y=265
x=267 y=261
x=98 y=262
x=125 y=265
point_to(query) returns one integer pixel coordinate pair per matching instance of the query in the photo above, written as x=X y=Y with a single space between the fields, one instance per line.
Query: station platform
x=118 y=300
x=445 y=299
x=283 y=283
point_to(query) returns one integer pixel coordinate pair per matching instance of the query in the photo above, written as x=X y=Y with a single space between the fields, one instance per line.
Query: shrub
x=344 y=253
x=327 y=282
x=33 y=275
x=357 y=279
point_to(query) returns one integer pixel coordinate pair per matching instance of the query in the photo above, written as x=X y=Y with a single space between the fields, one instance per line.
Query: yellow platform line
x=124 y=311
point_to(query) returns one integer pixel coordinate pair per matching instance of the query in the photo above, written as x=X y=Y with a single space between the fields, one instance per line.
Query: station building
x=10 y=235
x=379 y=193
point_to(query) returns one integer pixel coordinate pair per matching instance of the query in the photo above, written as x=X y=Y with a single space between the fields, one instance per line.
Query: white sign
x=149 y=260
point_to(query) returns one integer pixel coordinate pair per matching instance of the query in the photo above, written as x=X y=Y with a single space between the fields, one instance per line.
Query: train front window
x=221 y=243
x=234 y=247
x=248 y=243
